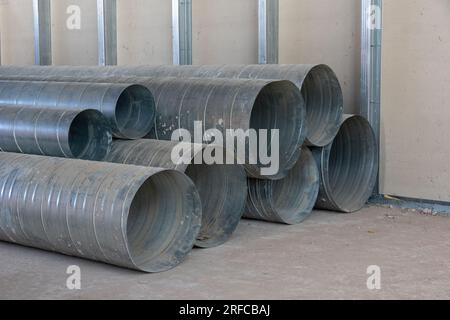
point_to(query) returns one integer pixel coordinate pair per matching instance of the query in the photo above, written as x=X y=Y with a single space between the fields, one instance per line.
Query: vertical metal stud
x=107 y=32
x=371 y=32
x=268 y=29
x=182 y=32
x=0 y=48
x=42 y=32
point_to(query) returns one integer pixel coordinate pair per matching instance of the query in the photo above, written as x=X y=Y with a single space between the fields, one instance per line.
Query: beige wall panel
x=16 y=32
x=324 y=31
x=225 y=31
x=74 y=47
x=415 y=99
x=144 y=32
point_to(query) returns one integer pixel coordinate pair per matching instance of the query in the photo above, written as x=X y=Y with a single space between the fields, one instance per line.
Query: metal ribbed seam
x=73 y=95
x=218 y=222
x=348 y=181
x=159 y=86
x=83 y=134
x=58 y=193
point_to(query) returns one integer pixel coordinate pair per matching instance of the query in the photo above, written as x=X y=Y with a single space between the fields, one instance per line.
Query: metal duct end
x=67 y=133
x=290 y=200
x=130 y=109
x=90 y=136
x=349 y=167
x=145 y=219
x=223 y=190
x=324 y=104
x=279 y=105
x=135 y=111
x=163 y=221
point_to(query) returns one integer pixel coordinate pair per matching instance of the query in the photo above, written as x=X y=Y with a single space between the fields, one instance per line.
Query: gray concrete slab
x=324 y=258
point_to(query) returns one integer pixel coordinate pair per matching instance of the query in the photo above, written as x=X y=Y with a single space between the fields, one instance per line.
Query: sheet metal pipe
x=224 y=104
x=348 y=167
x=81 y=134
x=128 y=107
x=222 y=188
x=140 y=218
x=318 y=83
x=290 y=200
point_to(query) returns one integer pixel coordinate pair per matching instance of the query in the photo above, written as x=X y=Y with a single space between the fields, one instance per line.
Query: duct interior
x=150 y=235
x=324 y=103
x=89 y=136
x=134 y=112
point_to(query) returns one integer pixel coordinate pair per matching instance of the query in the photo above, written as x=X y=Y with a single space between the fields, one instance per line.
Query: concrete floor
x=324 y=258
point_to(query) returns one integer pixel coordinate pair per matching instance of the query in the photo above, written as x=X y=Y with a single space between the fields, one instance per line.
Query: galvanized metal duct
x=134 y=217
x=222 y=188
x=82 y=134
x=129 y=108
x=318 y=83
x=290 y=200
x=348 y=167
x=225 y=104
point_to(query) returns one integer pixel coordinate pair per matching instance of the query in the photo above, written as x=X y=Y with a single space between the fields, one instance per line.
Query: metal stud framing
x=107 y=32
x=268 y=29
x=42 y=32
x=371 y=31
x=182 y=32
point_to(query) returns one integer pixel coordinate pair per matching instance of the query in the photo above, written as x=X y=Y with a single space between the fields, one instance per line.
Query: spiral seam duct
x=67 y=186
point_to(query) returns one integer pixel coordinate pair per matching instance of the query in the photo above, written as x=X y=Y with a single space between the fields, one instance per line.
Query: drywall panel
x=144 y=32
x=72 y=45
x=225 y=31
x=415 y=99
x=16 y=32
x=324 y=31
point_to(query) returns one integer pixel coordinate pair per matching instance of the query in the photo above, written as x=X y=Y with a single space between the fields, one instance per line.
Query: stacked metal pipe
x=129 y=108
x=289 y=200
x=81 y=134
x=134 y=217
x=326 y=160
x=220 y=104
x=348 y=166
x=319 y=85
x=222 y=188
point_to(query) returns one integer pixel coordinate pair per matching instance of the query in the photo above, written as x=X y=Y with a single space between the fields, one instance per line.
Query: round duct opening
x=279 y=106
x=90 y=136
x=290 y=200
x=223 y=192
x=135 y=112
x=163 y=221
x=324 y=105
x=352 y=165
